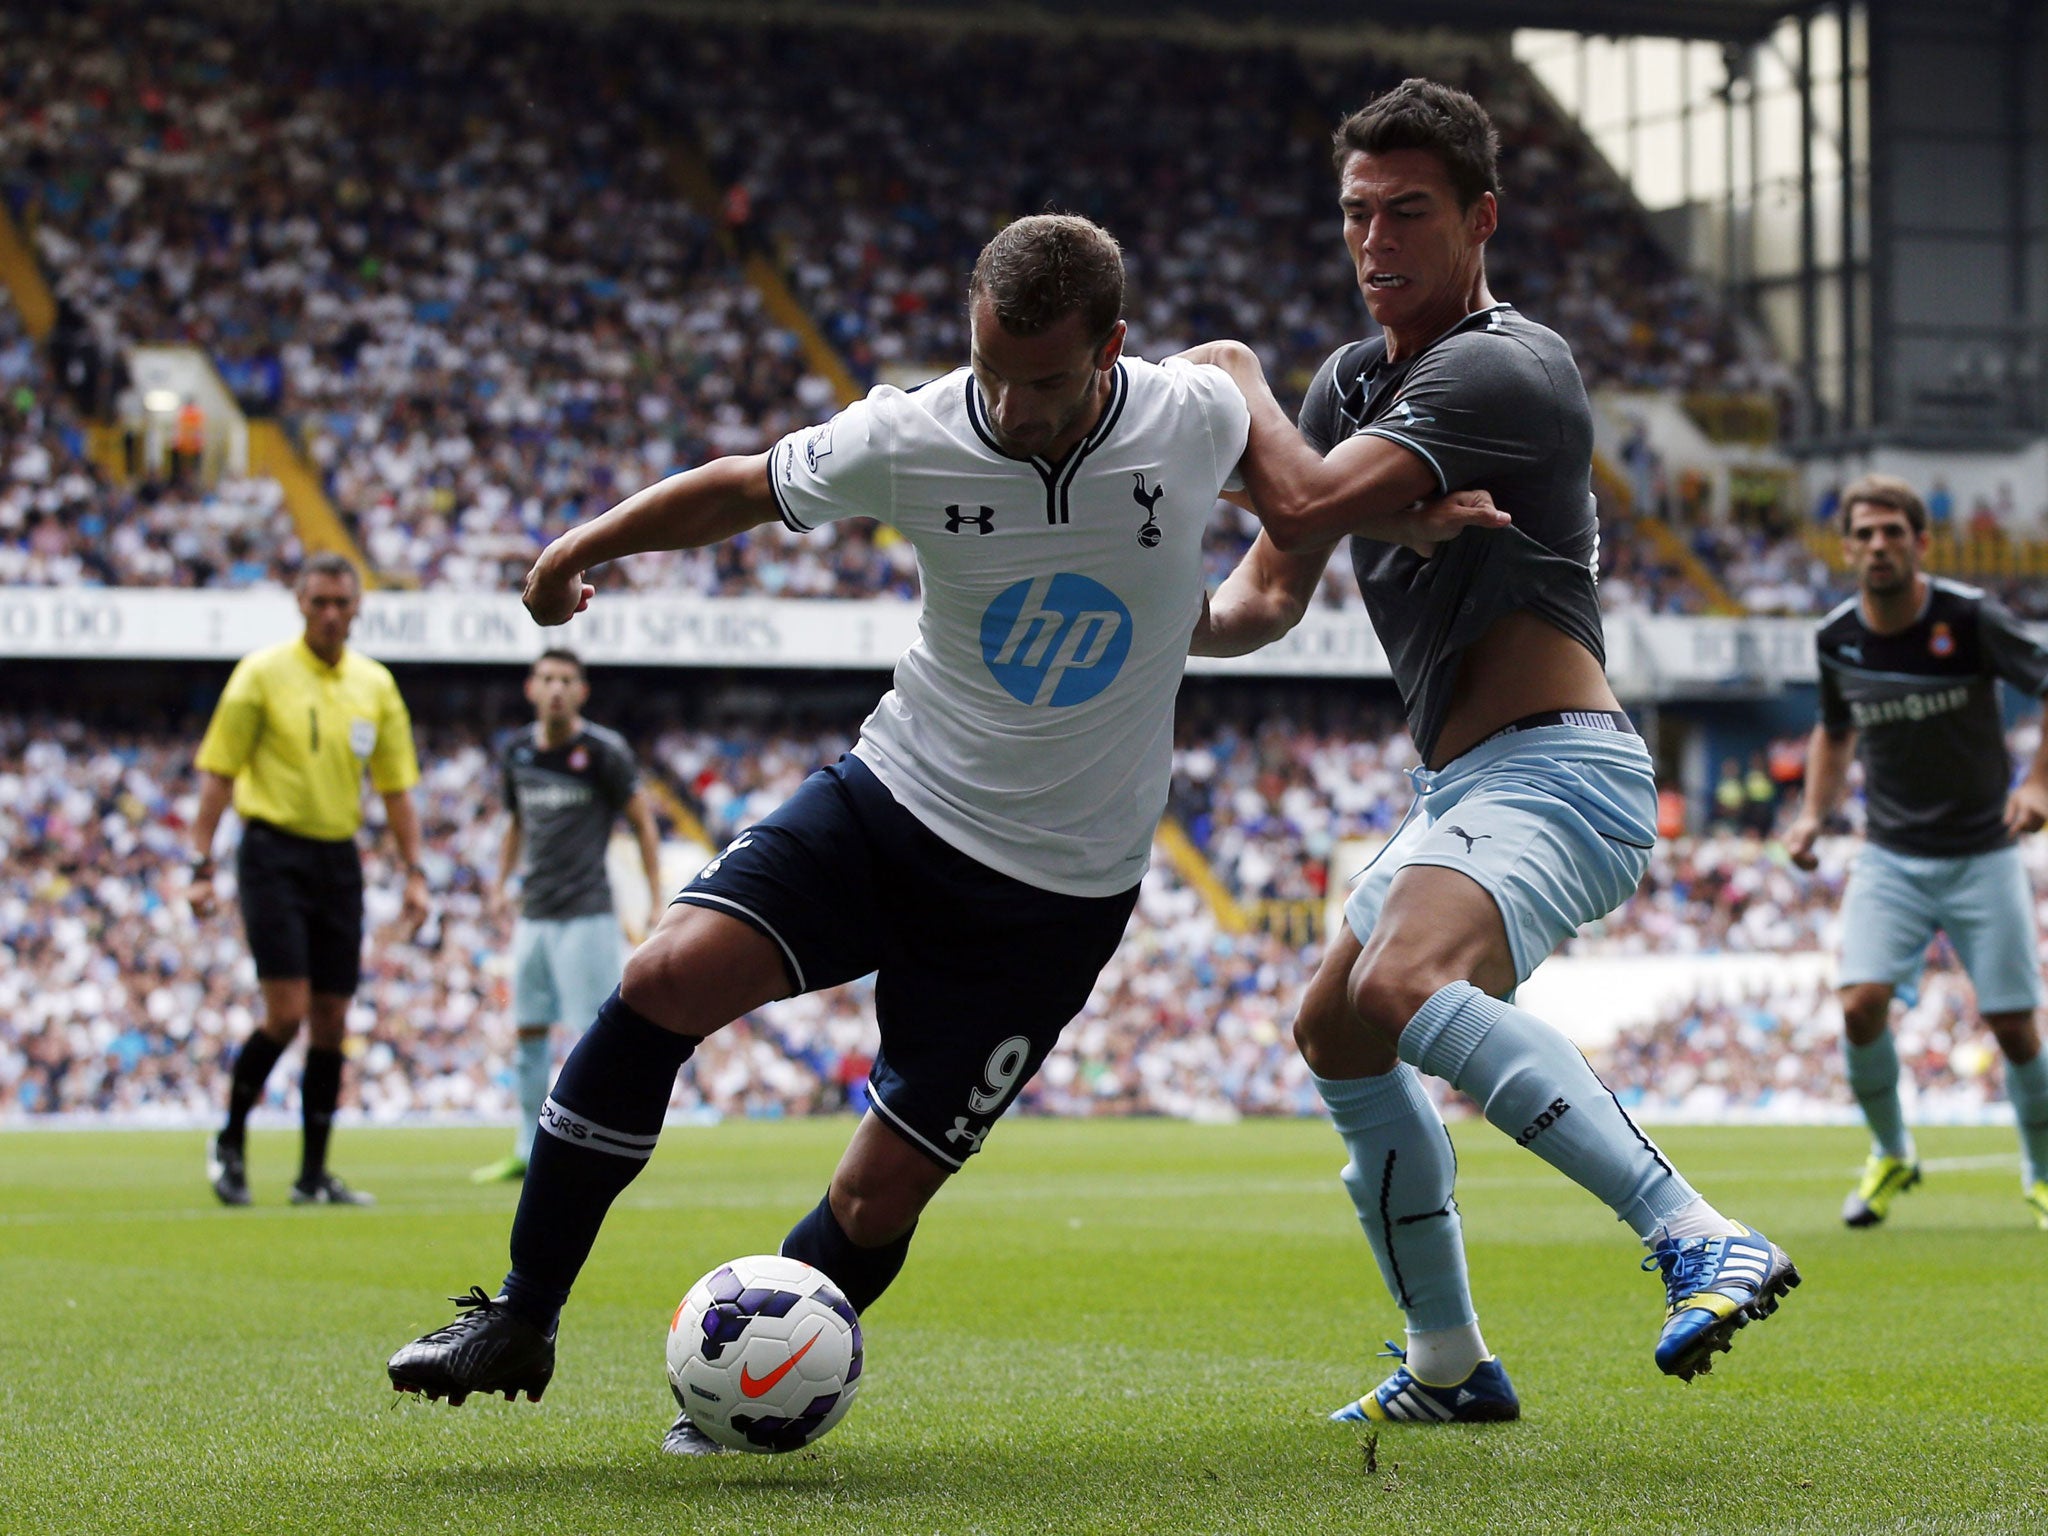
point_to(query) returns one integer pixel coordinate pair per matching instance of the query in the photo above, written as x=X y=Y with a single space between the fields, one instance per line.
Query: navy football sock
x=597 y=1131
x=253 y=1062
x=861 y=1274
x=319 y=1092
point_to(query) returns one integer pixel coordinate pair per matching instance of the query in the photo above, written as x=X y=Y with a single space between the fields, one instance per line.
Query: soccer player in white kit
x=980 y=848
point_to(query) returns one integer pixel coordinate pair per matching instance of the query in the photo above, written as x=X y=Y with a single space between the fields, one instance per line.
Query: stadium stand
x=64 y=523
x=119 y=1004
x=473 y=360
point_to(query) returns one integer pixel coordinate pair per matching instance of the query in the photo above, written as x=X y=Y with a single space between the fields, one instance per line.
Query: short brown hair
x=562 y=654
x=328 y=562
x=1885 y=491
x=1047 y=266
x=1421 y=114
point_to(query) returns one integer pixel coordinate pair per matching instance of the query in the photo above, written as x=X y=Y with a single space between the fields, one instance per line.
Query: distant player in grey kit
x=1909 y=672
x=565 y=782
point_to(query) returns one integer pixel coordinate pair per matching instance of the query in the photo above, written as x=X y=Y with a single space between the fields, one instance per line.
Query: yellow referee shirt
x=295 y=735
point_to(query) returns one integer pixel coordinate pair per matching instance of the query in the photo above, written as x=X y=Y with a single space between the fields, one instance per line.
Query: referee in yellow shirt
x=294 y=730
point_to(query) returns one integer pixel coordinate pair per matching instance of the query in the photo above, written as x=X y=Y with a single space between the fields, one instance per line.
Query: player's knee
x=1331 y=1037
x=658 y=974
x=651 y=967
x=1866 y=1010
x=1388 y=991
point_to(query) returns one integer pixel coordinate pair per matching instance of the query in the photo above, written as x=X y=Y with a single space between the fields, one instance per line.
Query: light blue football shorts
x=563 y=968
x=1982 y=901
x=1555 y=822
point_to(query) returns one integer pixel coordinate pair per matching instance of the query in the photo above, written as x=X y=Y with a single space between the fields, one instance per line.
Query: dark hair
x=1885 y=491
x=561 y=654
x=1045 y=267
x=328 y=562
x=1421 y=114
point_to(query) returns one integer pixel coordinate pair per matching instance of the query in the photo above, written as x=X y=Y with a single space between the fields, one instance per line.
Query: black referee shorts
x=302 y=904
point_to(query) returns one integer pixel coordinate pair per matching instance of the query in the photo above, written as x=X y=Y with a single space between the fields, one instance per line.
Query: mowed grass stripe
x=1105 y=1326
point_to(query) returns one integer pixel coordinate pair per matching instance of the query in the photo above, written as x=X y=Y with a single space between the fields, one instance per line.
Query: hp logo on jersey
x=1056 y=640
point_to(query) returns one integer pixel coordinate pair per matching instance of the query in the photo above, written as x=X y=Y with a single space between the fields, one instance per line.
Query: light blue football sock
x=1400 y=1176
x=2027 y=1087
x=536 y=1058
x=1531 y=1082
x=1874 y=1079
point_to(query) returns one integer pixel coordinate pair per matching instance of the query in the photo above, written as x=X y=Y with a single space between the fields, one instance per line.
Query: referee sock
x=319 y=1092
x=1873 y=1072
x=598 y=1129
x=861 y=1274
x=253 y=1062
x=2026 y=1084
x=1533 y=1083
x=1400 y=1178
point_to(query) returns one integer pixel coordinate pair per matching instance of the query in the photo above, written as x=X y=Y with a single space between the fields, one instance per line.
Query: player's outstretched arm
x=1368 y=485
x=1827 y=782
x=1259 y=601
x=687 y=511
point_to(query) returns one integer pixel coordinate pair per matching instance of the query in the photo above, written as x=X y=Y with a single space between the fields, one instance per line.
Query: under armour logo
x=962 y=1131
x=1149 y=534
x=983 y=520
x=1483 y=837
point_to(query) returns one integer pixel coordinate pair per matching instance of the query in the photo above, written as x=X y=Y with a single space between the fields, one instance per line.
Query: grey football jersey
x=1495 y=404
x=1923 y=703
x=566 y=799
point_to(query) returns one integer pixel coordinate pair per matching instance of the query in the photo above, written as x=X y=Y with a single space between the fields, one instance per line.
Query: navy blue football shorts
x=976 y=973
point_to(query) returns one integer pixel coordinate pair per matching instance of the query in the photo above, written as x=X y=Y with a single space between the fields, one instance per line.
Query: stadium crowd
x=63 y=523
x=399 y=232
x=119 y=1003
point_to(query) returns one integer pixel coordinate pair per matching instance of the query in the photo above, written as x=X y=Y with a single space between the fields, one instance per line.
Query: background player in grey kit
x=566 y=781
x=1909 y=674
x=1538 y=800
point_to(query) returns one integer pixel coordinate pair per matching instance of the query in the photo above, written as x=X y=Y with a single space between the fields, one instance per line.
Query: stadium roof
x=1721 y=20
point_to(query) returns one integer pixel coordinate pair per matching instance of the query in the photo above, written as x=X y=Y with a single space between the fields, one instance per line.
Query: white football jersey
x=1031 y=724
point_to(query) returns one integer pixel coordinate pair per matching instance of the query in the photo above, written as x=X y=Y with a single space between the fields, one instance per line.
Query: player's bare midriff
x=1521 y=666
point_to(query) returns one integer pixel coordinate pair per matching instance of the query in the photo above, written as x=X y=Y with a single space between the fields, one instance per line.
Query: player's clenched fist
x=553 y=595
x=1799 y=840
x=2027 y=810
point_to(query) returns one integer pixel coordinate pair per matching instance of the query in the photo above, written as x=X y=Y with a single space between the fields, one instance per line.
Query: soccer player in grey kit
x=1909 y=673
x=1536 y=807
x=566 y=781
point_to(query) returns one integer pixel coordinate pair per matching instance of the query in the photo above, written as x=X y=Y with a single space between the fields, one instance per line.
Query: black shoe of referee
x=227 y=1173
x=489 y=1348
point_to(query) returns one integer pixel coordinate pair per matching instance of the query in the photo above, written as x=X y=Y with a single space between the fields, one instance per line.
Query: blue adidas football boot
x=1483 y=1397
x=1715 y=1285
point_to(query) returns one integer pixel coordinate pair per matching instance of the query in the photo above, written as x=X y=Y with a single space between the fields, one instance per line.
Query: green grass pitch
x=1122 y=1326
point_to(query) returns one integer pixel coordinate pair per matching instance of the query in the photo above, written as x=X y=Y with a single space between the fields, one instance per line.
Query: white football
x=764 y=1354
